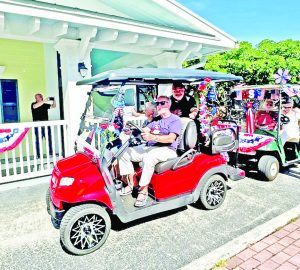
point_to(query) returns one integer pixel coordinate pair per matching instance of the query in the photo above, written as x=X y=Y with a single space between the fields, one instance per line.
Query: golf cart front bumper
x=56 y=214
x=235 y=174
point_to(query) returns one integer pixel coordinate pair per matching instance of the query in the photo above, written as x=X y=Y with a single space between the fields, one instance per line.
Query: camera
x=51 y=98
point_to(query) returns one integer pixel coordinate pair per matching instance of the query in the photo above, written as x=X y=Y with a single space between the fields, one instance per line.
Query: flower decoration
x=205 y=85
x=108 y=132
x=281 y=77
x=202 y=86
x=206 y=91
x=254 y=105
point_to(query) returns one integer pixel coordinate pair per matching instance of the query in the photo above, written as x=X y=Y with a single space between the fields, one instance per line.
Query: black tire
x=76 y=233
x=48 y=199
x=55 y=223
x=268 y=167
x=213 y=192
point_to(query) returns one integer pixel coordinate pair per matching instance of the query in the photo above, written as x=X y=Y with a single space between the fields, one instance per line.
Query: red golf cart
x=83 y=191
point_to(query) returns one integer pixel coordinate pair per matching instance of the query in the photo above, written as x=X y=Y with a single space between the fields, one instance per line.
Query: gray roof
x=155 y=75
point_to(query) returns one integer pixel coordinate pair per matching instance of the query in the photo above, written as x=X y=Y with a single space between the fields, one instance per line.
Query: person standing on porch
x=39 y=110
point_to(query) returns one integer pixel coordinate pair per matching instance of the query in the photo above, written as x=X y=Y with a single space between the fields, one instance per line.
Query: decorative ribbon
x=252 y=142
x=11 y=138
x=250 y=127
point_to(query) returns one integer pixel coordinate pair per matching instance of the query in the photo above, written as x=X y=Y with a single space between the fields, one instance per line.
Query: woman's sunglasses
x=157 y=103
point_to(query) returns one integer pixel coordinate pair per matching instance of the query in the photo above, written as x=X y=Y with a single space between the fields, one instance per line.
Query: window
x=9 y=101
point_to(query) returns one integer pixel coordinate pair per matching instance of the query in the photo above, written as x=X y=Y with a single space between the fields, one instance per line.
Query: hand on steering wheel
x=136 y=138
x=135 y=126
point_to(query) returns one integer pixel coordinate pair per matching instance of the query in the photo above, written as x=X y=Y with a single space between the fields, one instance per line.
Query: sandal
x=125 y=190
x=141 y=199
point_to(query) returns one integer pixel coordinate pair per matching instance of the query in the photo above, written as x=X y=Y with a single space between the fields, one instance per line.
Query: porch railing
x=38 y=149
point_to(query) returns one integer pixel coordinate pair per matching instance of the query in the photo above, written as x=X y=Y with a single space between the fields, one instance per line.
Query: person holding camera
x=39 y=110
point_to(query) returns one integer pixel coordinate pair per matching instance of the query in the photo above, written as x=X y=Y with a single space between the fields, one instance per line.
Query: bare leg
x=127 y=179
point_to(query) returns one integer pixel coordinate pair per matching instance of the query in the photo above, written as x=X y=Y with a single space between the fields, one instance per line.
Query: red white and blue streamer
x=252 y=142
x=11 y=138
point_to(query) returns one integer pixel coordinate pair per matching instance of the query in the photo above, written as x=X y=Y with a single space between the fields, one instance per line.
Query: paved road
x=169 y=241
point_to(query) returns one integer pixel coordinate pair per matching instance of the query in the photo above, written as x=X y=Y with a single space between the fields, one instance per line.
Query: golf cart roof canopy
x=155 y=76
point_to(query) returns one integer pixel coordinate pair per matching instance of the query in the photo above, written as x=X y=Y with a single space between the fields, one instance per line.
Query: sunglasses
x=287 y=107
x=157 y=103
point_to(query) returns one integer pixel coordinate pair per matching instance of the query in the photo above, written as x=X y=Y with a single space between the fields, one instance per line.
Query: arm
x=38 y=104
x=193 y=110
x=175 y=129
x=53 y=104
x=160 y=138
x=297 y=111
x=135 y=113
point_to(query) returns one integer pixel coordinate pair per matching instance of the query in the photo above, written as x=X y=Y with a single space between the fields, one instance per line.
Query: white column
x=51 y=79
x=74 y=97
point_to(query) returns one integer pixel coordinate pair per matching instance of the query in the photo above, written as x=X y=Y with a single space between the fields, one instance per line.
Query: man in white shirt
x=290 y=130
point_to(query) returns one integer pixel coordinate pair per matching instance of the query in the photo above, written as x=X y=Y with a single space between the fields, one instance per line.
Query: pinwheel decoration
x=282 y=76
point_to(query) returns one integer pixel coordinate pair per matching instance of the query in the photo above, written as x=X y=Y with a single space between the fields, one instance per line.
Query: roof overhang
x=49 y=23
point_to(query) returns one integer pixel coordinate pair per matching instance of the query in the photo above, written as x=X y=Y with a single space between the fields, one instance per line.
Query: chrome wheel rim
x=87 y=231
x=215 y=193
x=273 y=169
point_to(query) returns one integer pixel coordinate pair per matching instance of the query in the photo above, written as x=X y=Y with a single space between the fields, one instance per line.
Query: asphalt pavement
x=171 y=240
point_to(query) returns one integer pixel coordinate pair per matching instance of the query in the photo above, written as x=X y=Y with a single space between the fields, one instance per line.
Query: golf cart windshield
x=100 y=124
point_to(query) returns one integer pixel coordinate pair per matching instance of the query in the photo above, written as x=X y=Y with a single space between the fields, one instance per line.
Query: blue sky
x=251 y=20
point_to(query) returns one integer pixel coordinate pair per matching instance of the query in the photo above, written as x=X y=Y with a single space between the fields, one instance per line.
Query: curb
x=235 y=246
x=25 y=183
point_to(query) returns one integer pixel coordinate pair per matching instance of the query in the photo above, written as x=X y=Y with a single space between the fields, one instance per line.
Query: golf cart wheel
x=268 y=166
x=48 y=199
x=84 y=228
x=213 y=192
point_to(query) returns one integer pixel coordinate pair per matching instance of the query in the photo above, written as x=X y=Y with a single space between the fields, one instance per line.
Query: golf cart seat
x=186 y=152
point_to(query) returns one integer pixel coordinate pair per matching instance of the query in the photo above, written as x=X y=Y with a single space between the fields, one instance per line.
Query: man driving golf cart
x=265 y=117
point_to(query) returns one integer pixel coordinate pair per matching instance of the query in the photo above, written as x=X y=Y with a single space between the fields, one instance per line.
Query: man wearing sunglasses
x=182 y=105
x=161 y=136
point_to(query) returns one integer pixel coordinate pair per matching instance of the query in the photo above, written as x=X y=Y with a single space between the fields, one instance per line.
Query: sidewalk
x=280 y=250
x=273 y=244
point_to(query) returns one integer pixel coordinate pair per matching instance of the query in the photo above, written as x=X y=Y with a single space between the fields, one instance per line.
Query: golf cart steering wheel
x=135 y=126
x=284 y=119
x=136 y=138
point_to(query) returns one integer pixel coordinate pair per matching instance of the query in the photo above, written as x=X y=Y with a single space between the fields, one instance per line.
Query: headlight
x=66 y=181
